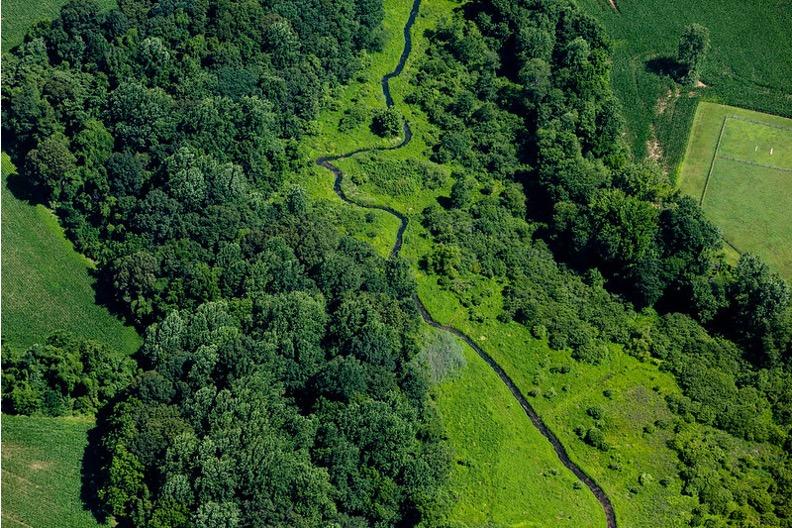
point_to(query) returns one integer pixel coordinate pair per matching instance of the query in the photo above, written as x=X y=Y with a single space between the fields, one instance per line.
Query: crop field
x=747 y=72
x=47 y=285
x=738 y=165
x=19 y=15
x=42 y=464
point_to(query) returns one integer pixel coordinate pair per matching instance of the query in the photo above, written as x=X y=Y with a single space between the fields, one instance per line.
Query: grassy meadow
x=738 y=164
x=504 y=472
x=47 y=285
x=502 y=465
x=42 y=464
x=749 y=63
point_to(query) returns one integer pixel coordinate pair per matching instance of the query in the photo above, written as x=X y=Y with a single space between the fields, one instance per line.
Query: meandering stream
x=327 y=162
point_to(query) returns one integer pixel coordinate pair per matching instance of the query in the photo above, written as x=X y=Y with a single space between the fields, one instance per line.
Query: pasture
x=749 y=63
x=47 y=285
x=738 y=165
x=42 y=464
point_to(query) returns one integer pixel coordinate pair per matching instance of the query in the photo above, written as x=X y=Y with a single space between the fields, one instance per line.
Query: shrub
x=596 y=438
x=387 y=122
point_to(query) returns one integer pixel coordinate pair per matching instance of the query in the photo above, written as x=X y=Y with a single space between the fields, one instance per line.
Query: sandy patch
x=654 y=150
x=668 y=99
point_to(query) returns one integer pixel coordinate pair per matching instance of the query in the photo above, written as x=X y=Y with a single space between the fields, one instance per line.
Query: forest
x=281 y=380
x=277 y=382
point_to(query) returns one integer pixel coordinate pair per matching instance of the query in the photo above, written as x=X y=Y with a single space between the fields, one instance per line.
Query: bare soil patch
x=654 y=150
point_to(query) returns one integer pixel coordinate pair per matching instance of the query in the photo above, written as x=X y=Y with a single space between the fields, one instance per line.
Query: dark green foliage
x=387 y=122
x=760 y=310
x=279 y=384
x=293 y=402
x=595 y=438
x=64 y=376
x=692 y=50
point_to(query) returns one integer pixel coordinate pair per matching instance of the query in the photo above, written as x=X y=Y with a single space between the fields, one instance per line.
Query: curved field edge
x=47 y=285
x=19 y=15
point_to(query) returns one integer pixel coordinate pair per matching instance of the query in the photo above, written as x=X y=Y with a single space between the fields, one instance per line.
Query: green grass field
x=749 y=63
x=20 y=15
x=47 y=285
x=738 y=164
x=42 y=459
x=504 y=472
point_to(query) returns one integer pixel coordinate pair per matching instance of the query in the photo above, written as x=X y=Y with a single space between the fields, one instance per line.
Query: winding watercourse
x=327 y=163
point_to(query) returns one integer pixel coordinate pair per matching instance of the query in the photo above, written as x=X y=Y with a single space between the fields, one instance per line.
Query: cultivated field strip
x=327 y=163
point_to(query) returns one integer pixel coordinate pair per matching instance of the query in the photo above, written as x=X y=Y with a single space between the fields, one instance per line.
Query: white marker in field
x=771 y=151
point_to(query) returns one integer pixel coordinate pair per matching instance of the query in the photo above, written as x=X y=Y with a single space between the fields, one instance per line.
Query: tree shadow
x=444 y=202
x=94 y=458
x=23 y=189
x=665 y=66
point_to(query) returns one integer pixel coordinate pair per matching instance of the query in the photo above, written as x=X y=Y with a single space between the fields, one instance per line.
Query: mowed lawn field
x=749 y=63
x=47 y=285
x=738 y=164
x=42 y=464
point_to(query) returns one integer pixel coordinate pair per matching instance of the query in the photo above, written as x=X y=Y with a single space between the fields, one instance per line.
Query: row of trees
x=280 y=382
x=63 y=376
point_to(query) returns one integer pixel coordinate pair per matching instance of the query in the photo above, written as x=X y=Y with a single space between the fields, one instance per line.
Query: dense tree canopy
x=280 y=382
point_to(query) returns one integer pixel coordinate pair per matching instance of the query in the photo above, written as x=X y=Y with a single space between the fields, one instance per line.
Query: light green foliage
x=504 y=471
x=395 y=177
x=750 y=72
x=42 y=459
x=442 y=355
x=47 y=285
x=739 y=163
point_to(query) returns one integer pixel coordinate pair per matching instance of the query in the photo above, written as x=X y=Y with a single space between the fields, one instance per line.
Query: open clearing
x=500 y=470
x=749 y=63
x=42 y=459
x=47 y=285
x=738 y=165
x=504 y=471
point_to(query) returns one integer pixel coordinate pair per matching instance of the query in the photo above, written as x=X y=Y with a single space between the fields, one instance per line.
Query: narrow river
x=327 y=163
